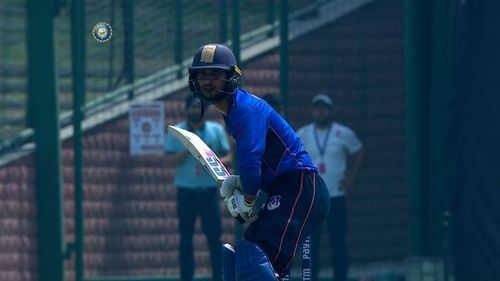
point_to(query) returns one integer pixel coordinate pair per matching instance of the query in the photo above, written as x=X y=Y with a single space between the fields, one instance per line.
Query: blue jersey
x=266 y=146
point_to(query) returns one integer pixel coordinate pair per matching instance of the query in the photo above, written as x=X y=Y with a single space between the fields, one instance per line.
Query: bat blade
x=202 y=152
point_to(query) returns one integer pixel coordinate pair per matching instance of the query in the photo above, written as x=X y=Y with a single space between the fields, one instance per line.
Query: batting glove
x=241 y=209
x=229 y=185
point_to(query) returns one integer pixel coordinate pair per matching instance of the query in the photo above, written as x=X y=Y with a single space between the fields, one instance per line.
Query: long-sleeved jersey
x=266 y=146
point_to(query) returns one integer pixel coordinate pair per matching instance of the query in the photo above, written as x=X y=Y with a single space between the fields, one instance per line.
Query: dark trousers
x=204 y=203
x=337 y=229
x=297 y=203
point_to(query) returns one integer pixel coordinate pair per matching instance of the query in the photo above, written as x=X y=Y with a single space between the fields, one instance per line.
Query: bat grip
x=240 y=219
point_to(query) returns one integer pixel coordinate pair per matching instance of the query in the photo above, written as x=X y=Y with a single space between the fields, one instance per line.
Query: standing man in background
x=338 y=153
x=197 y=192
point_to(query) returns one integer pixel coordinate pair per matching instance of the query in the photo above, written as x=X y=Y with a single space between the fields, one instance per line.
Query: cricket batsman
x=271 y=158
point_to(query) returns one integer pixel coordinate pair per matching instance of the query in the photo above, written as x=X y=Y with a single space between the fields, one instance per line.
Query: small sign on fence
x=146 y=123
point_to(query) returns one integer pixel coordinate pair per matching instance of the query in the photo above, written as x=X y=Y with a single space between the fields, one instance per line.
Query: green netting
x=12 y=67
x=154 y=38
x=156 y=44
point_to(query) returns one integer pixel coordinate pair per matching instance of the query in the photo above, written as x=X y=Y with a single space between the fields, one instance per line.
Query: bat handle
x=240 y=219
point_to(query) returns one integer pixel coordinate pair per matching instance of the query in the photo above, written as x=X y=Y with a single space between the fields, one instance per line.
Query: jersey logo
x=274 y=202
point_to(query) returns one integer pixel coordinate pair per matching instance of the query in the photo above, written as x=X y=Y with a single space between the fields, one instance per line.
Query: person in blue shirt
x=270 y=158
x=197 y=192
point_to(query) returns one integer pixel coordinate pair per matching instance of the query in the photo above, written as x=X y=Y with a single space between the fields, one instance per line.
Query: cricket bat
x=200 y=150
x=203 y=153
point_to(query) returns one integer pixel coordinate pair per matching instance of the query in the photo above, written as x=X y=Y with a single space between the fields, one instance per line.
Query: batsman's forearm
x=250 y=182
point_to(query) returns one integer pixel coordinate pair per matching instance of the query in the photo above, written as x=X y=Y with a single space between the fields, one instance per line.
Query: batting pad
x=228 y=263
x=252 y=264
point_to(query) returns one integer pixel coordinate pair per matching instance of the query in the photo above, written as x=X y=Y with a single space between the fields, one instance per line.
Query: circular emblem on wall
x=102 y=32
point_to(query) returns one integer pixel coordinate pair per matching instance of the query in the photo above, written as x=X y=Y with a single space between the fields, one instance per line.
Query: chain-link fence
x=161 y=34
x=13 y=58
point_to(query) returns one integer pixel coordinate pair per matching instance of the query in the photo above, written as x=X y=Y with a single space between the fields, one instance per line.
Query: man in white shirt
x=338 y=154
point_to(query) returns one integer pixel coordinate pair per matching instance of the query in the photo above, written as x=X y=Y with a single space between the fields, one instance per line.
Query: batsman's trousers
x=297 y=203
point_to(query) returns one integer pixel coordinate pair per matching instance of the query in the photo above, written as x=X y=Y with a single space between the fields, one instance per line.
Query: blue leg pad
x=252 y=264
x=228 y=263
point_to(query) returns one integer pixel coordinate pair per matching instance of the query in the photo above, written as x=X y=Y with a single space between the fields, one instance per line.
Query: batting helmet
x=214 y=56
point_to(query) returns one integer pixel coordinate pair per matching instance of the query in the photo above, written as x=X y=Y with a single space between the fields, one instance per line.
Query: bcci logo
x=273 y=202
x=102 y=32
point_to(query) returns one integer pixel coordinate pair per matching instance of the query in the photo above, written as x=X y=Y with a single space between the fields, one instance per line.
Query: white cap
x=322 y=98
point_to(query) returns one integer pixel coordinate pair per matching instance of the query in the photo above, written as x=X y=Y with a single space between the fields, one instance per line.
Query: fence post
x=284 y=54
x=179 y=41
x=223 y=21
x=42 y=90
x=417 y=66
x=271 y=16
x=78 y=72
x=128 y=18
